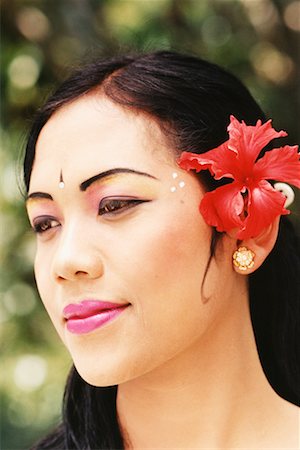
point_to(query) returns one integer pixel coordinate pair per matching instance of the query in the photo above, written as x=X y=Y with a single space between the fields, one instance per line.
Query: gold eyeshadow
x=119 y=184
x=141 y=185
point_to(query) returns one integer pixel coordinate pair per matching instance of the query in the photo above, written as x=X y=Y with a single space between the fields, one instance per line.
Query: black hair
x=191 y=100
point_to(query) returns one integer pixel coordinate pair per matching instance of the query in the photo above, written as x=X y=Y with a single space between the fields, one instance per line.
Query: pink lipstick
x=88 y=315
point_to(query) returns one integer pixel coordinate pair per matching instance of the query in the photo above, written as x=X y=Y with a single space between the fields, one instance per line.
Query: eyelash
x=108 y=206
x=39 y=225
x=114 y=206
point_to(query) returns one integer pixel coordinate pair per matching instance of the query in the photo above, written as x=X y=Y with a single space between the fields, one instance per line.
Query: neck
x=201 y=398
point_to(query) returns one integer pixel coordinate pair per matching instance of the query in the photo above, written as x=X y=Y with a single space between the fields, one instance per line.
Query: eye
x=43 y=224
x=116 y=205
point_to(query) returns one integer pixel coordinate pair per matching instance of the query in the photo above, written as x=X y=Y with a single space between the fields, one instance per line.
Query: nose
x=77 y=256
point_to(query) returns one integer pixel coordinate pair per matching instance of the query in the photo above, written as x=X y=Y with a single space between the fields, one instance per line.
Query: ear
x=261 y=246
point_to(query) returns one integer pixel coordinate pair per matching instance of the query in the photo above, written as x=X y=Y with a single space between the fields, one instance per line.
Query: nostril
x=77 y=265
x=60 y=278
x=79 y=272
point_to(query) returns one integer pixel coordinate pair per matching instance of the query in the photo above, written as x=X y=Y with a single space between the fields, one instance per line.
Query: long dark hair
x=192 y=101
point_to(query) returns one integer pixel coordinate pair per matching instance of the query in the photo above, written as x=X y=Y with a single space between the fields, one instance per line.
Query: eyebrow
x=87 y=183
x=83 y=186
x=39 y=195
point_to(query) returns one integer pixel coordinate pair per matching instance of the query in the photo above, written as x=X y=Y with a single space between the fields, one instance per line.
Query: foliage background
x=258 y=40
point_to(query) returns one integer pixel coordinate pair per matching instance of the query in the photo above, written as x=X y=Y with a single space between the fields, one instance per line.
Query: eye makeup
x=109 y=197
x=39 y=207
x=41 y=211
x=121 y=187
x=117 y=205
x=44 y=223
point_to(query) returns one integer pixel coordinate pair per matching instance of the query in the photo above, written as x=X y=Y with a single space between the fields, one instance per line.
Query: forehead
x=94 y=133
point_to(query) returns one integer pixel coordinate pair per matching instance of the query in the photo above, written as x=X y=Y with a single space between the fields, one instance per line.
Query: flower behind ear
x=249 y=203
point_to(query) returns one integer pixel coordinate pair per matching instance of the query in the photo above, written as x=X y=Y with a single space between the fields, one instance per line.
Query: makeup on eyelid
x=41 y=207
x=121 y=186
x=118 y=185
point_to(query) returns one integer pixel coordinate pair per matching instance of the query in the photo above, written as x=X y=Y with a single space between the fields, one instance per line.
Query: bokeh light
x=30 y=372
x=216 y=30
x=262 y=13
x=8 y=184
x=23 y=71
x=292 y=15
x=270 y=63
x=19 y=299
x=10 y=231
x=33 y=24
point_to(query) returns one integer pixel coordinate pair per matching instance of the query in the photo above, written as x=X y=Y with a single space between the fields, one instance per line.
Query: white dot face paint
x=181 y=184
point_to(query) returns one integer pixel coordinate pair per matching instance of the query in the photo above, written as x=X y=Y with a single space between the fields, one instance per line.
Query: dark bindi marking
x=61 y=183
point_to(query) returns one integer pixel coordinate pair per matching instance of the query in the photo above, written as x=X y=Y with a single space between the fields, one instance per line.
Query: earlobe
x=251 y=253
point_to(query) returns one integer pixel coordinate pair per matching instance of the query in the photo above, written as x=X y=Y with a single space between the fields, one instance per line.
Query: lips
x=89 y=315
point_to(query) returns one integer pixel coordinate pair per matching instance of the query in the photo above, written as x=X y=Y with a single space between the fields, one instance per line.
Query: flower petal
x=193 y=161
x=280 y=164
x=222 y=207
x=264 y=205
x=247 y=141
x=226 y=208
x=221 y=162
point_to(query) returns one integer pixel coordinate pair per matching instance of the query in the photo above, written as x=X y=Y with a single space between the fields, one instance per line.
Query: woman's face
x=118 y=222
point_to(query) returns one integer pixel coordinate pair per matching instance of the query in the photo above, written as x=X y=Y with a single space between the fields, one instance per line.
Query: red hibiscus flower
x=249 y=203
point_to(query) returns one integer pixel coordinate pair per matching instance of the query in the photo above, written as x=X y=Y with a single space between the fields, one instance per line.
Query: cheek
x=168 y=258
x=164 y=277
x=172 y=248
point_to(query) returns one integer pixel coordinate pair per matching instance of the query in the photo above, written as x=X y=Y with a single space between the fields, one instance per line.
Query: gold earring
x=243 y=258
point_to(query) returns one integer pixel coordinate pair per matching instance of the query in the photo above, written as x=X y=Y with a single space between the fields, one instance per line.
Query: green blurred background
x=258 y=40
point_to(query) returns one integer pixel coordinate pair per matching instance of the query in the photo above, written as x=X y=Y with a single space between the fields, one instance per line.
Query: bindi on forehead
x=61 y=183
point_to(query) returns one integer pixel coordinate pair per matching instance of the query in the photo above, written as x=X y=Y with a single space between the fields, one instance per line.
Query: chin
x=98 y=380
x=102 y=373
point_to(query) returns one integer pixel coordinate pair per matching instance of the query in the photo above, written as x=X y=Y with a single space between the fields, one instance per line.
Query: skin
x=183 y=354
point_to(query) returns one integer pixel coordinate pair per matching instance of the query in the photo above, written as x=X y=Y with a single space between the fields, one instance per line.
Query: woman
x=140 y=284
